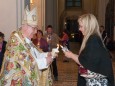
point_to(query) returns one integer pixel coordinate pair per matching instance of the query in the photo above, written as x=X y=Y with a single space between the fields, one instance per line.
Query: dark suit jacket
x=2 y=53
x=96 y=58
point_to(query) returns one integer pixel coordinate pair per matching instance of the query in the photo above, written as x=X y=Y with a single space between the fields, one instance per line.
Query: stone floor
x=68 y=70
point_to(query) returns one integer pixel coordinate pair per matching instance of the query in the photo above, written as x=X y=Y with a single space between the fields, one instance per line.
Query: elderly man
x=23 y=62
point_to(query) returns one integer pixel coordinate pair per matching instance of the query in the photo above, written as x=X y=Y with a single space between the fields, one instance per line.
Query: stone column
x=20 y=12
x=51 y=14
x=114 y=14
x=40 y=4
x=114 y=25
x=41 y=14
x=101 y=11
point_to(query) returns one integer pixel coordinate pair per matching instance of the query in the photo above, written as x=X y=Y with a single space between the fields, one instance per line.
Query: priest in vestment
x=24 y=64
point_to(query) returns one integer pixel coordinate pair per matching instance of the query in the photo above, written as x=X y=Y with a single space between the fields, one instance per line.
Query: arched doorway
x=72 y=26
x=109 y=23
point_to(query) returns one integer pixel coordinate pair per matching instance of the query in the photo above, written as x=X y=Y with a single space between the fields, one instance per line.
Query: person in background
x=106 y=39
x=53 y=40
x=23 y=62
x=2 y=48
x=94 y=60
x=40 y=42
x=104 y=34
x=65 y=42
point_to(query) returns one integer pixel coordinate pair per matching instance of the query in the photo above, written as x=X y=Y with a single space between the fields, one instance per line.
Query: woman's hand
x=68 y=54
x=73 y=56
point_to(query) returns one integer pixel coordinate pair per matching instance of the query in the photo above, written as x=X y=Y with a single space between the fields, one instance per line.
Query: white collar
x=27 y=40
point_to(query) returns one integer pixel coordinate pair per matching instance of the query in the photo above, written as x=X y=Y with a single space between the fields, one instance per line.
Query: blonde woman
x=95 y=66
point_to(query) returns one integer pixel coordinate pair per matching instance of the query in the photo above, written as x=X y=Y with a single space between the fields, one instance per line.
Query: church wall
x=96 y=7
x=10 y=16
x=51 y=14
x=89 y=6
x=12 y=11
x=61 y=6
x=101 y=11
x=114 y=22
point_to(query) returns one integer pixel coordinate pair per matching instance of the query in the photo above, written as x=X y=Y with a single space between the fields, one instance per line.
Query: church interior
x=61 y=14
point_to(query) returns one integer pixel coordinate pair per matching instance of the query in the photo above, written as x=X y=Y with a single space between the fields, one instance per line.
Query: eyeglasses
x=34 y=27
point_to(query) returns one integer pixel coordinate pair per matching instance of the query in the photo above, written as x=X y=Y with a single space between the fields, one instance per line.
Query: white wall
x=10 y=16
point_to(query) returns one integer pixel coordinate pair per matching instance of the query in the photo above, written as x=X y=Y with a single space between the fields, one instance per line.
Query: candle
x=61 y=46
x=55 y=51
x=48 y=38
x=38 y=44
x=57 y=46
x=64 y=49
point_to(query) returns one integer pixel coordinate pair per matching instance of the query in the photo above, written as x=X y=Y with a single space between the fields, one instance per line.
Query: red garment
x=65 y=37
x=64 y=40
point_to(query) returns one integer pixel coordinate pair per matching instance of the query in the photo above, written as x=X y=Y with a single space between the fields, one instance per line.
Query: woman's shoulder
x=94 y=36
x=94 y=39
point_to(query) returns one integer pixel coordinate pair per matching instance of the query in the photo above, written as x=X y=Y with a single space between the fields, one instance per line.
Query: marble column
x=40 y=4
x=101 y=11
x=51 y=14
x=114 y=25
x=41 y=14
x=114 y=14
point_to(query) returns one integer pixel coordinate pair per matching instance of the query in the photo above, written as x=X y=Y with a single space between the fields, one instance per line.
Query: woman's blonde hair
x=91 y=27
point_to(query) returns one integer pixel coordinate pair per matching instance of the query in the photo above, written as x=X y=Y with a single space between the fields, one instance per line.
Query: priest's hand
x=54 y=54
x=49 y=58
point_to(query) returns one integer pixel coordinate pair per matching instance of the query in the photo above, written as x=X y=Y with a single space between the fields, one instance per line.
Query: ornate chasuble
x=19 y=66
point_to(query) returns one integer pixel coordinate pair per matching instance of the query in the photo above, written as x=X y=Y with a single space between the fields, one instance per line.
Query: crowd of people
x=27 y=59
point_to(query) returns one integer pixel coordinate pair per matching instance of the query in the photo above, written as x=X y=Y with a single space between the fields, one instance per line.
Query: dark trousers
x=54 y=68
x=1 y=59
